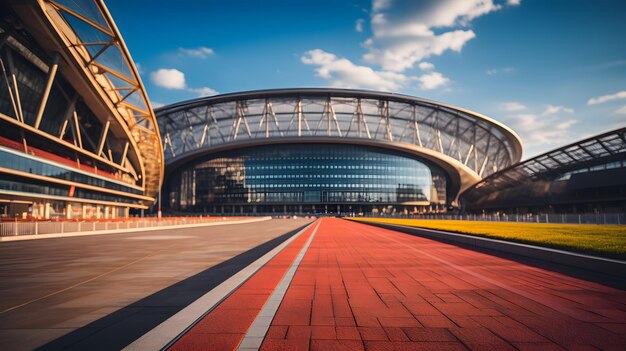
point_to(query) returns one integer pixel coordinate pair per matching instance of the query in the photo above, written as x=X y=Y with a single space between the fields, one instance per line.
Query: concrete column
x=84 y=211
x=127 y=212
x=68 y=211
x=98 y=212
x=46 y=213
x=113 y=212
x=106 y=212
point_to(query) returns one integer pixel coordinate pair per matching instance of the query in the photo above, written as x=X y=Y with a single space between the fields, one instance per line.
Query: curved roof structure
x=462 y=142
x=92 y=40
x=553 y=164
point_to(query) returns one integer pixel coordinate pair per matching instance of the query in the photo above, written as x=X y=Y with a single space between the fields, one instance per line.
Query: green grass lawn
x=603 y=240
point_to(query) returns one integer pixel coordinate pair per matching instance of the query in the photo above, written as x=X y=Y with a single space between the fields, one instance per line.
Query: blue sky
x=554 y=71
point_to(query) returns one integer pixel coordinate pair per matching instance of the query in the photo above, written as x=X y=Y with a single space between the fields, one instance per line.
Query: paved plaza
x=334 y=285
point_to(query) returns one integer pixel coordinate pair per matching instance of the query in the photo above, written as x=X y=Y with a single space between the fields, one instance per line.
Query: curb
x=165 y=334
x=590 y=263
x=130 y=230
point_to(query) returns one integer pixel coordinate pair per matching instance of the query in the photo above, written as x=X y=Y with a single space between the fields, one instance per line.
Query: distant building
x=586 y=176
x=78 y=138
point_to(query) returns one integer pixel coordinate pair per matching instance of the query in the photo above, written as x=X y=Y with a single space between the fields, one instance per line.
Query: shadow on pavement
x=120 y=328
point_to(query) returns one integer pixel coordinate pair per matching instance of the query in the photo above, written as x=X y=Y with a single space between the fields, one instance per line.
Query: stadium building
x=325 y=151
x=588 y=176
x=78 y=138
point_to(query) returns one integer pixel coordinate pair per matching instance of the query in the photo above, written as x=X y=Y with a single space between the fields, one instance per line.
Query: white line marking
x=161 y=336
x=256 y=333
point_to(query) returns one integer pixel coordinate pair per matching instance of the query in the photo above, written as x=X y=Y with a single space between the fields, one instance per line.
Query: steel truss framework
x=553 y=164
x=93 y=42
x=475 y=141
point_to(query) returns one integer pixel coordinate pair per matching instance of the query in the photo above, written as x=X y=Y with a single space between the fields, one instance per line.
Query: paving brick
x=323 y=332
x=413 y=346
x=429 y=334
x=277 y=332
x=284 y=345
x=336 y=345
x=372 y=333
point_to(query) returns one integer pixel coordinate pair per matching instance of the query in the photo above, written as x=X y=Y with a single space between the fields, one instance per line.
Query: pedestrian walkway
x=360 y=287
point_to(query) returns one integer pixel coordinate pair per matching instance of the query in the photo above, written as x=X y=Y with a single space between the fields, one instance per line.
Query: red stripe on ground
x=362 y=287
x=225 y=326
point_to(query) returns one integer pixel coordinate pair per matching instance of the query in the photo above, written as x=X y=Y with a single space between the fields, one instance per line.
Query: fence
x=589 y=218
x=41 y=227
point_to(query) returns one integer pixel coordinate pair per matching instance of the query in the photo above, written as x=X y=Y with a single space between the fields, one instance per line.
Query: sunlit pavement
x=102 y=292
x=362 y=287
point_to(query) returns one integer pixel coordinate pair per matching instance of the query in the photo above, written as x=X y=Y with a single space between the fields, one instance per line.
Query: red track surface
x=225 y=326
x=361 y=287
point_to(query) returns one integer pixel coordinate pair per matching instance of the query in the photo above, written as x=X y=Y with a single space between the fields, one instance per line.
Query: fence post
x=62 y=227
x=36 y=228
x=15 y=223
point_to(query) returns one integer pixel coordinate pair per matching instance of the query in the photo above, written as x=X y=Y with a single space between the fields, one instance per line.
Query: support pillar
x=68 y=211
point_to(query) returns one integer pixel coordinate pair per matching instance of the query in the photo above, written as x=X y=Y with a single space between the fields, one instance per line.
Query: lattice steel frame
x=553 y=164
x=121 y=90
x=472 y=142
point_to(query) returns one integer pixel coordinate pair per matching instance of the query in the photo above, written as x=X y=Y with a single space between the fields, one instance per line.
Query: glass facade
x=306 y=174
x=12 y=160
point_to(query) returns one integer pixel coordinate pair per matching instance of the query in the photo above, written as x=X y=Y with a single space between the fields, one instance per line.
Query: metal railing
x=13 y=228
x=555 y=218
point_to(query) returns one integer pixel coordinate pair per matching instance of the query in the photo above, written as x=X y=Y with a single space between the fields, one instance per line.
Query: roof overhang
x=461 y=177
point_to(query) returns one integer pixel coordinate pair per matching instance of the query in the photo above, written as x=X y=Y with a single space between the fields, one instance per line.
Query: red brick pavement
x=225 y=326
x=365 y=288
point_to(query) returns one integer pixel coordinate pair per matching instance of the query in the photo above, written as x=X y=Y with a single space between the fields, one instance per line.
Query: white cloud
x=168 y=78
x=175 y=79
x=620 y=111
x=342 y=73
x=504 y=70
x=359 y=25
x=432 y=81
x=407 y=31
x=541 y=132
x=426 y=66
x=512 y=106
x=204 y=91
x=604 y=98
x=156 y=104
x=201 y=52
x=514 y=2
x=551 y=110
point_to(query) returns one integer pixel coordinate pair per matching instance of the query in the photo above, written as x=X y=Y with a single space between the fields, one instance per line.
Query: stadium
x=78 y=138
x=326 y=151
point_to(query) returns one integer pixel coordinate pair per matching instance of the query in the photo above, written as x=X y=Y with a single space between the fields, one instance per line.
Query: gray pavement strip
x=129 y=230
x=170 y=330
x=256 y=333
